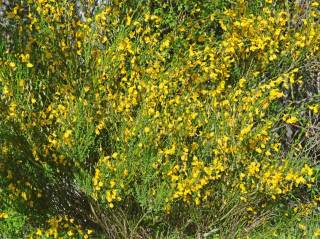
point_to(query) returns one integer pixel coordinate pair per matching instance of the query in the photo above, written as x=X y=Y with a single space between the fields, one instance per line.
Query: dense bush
x=132 y=119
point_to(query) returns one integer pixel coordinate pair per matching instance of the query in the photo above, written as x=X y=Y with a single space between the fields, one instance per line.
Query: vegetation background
x=159 y=119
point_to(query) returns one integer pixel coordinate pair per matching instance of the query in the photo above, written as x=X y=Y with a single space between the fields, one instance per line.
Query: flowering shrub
x=134 y=118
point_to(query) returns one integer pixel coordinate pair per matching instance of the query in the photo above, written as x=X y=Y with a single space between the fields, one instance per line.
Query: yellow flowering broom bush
x=126 y=119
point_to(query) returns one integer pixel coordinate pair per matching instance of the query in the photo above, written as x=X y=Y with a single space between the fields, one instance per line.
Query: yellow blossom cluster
x=61 y=226
x=156 y=115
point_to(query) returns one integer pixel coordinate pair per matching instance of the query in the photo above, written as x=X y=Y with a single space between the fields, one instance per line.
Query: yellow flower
x=245 y=131
x=242 y=82
x=147 y=130
x=316 y=232
x=22 y=83
x=86 y=89
x=291 y=120
x=6 y=90
x=67 y=134
x=253 y=168
x=39 y=232
x=25 y=58
x=29 y=65
x=3 y=215
x=12 y=64
x=302 y=226
x=307 y=170
x=314 y=108
x=112 y=183
x=70 y=233
x=242 y=188
x=275 y=94
x=24 y=196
